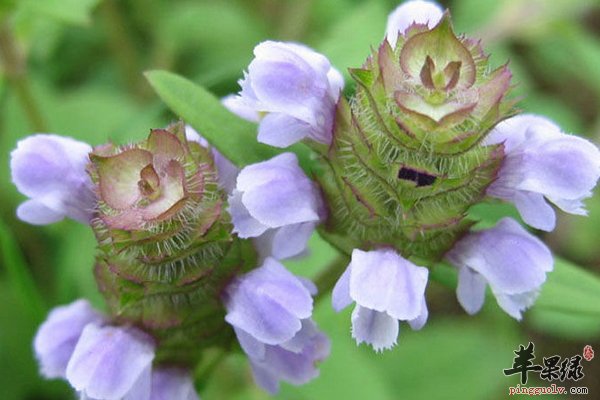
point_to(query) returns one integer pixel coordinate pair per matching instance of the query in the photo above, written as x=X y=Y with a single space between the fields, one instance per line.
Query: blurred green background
x=74 y=67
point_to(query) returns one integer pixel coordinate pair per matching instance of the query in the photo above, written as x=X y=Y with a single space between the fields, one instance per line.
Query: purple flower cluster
x=102 y=361
x=541 y=164
x=269 y=308
x=292 y=92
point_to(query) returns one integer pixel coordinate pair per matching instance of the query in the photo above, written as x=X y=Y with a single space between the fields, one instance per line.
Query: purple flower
x=226 y=170
x=542 y=163
x=50 y=170
x=508 y=258
x=409 y=13
x=269 y=309
x=57 y=336
x=386 y=288
x=112 y=363
x=269 y=303
x=276 y=200
x=171 y=383
x=295 y=87
x=294 y=361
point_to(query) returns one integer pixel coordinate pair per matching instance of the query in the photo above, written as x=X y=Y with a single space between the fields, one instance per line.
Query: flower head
x=148 y=183
x=543 y=163
x=508 y=258
x=294 y=89
x=386 y=288
x=50 y=170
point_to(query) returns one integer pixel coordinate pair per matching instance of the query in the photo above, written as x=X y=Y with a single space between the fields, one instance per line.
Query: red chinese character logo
x=588 y=353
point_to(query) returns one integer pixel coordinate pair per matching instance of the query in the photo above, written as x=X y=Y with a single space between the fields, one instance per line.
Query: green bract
x=165 y=243
x=406 y=161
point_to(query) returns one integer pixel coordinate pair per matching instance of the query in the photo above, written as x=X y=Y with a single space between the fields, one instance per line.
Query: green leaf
x=234 y=137
x=19 y=276
x=569 y=304
x=76 y=12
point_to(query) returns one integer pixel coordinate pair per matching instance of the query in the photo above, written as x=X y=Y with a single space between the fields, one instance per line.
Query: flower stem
x=123 y=48
x=14 y=68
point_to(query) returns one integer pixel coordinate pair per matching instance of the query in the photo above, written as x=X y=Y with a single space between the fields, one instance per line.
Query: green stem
x=14 y=68
x=123 y=48
x=327 y=278
x=204 y=373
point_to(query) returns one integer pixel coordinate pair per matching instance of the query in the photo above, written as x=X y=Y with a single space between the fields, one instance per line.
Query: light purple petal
x=383 y=281
x=534 y=210
x=340 y=297
x=515 y=304
x=284 y=166
x=512 y=261
x=294 y=89
x=470 y=290
x=510 y=258
x=275 y=193
x=419 y=322
x=268 y=303
x=57 y=336
x=513 y=132
x=265 y=377
x=226 y=170
x=299 y=366
x=281 y=130
x=543 y=161
x=336 y=84
x=285 y=242
x=294 y=361
x=286 y=83
x=36 y=212
x=565 y=167
x=244 y=224
x=254 y=348
x=51 y=170
x=375 y=328
x=142 y=386
x=172 y=384
x=237 y=105
x=421 y=12
x=109 y=362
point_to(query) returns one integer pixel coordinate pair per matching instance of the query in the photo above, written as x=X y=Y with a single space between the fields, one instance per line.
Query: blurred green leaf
x=569 y=304
x=74 y=269
x=76 y=12
x=349 y=41
x=19 y=276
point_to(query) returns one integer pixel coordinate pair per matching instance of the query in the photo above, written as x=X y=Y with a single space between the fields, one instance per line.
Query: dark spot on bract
x=420 y=178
